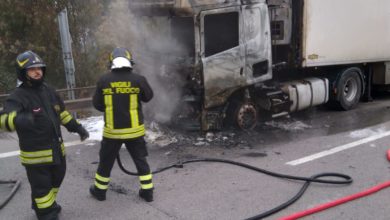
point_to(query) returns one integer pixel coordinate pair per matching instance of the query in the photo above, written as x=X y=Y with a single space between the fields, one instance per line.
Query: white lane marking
x=73 y=143
x=9 y=154
x=67 y=144
x=337 y=149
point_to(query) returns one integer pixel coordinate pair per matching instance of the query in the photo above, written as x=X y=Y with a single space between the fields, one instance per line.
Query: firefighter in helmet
x=36 y=112
x=119 y=94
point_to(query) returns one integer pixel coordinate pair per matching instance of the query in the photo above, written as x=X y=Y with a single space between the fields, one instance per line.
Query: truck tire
x=247 y=116
x=349 y=89
x=242 y=115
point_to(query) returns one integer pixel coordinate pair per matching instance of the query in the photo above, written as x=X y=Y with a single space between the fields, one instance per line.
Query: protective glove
x=83 y=133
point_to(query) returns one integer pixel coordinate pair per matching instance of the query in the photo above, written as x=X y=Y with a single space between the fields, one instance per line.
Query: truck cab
x=246 y=57
x=231 y=46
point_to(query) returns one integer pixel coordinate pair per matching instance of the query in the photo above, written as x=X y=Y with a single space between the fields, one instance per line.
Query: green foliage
x=32 y=25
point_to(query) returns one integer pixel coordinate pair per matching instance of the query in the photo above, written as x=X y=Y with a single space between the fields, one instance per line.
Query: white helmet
x=120 y=62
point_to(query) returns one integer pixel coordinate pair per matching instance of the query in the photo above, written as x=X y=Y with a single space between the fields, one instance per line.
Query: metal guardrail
x=78 y=104
x=79 y=92
x=83 y=97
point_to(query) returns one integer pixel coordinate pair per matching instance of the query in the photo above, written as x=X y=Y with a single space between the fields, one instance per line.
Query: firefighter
x=119 y=94
x=36 y=112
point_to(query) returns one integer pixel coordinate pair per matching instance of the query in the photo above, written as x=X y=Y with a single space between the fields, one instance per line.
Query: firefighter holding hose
x=119 y=94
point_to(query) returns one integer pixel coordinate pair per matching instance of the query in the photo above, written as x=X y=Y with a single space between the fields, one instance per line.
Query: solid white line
x=72 y=143
x=9 y=154
x=337 y=149
x=67 y=144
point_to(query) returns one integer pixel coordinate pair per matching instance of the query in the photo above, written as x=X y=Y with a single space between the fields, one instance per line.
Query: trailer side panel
x=345 y=32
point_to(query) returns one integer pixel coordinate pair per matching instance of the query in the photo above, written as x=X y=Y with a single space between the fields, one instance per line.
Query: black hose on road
x=315 y=178
x=12 y=193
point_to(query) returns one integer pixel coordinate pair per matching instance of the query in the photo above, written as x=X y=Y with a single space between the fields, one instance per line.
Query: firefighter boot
x=48 y=216
x=146 y=194
x=57 y=208
x=98 y=194
x=51 y=215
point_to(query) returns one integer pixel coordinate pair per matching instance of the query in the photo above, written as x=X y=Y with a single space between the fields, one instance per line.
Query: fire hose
x=308 y=180
x=12 y=193
x=337 y=202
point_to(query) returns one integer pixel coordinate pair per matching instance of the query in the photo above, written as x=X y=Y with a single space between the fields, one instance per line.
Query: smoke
x=154 y=52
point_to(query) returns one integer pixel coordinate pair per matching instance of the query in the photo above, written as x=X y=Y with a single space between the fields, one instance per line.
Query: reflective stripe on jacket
x=39 y=157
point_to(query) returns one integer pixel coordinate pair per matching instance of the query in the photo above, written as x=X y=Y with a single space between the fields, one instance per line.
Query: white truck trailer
x=248 y=57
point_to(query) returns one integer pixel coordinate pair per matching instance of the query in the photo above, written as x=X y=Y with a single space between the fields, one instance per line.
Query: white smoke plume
x=148 y=40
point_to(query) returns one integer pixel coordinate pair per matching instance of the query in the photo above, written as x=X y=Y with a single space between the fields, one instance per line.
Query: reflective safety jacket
x=36 y=114
x=119 y=94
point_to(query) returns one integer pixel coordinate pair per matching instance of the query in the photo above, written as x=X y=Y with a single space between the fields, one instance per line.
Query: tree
x=32 y=25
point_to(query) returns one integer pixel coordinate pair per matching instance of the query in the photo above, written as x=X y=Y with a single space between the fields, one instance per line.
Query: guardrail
x=83 y=97
x=78 y=104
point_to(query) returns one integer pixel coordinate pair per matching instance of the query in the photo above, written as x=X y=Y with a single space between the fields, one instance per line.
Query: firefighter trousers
x=45 y=182
x=110 y=149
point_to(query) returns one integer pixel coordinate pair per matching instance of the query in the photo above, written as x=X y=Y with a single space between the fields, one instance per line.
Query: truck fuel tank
x=307 y=92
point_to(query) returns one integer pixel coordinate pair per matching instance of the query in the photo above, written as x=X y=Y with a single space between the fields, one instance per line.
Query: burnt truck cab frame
x=232 y=50
x=250 y=57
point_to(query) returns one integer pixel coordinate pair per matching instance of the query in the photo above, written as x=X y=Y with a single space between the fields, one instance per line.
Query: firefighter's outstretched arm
x=70 y=123
x=7 y=121
x=13 y=116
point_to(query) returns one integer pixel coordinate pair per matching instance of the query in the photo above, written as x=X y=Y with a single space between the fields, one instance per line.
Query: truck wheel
x=349 y=89
x=246 y=116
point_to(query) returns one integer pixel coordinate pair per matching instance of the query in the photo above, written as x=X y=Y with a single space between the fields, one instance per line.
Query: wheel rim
x=247 y=116
x=350 y=90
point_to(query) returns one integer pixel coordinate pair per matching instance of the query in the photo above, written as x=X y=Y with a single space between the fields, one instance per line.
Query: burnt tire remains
x=246 y=116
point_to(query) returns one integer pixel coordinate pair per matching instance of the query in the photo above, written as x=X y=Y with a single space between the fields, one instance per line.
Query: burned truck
x=250 y=58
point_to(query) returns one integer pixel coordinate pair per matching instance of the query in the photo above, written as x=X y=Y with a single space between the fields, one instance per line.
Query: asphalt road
x=310 y=142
